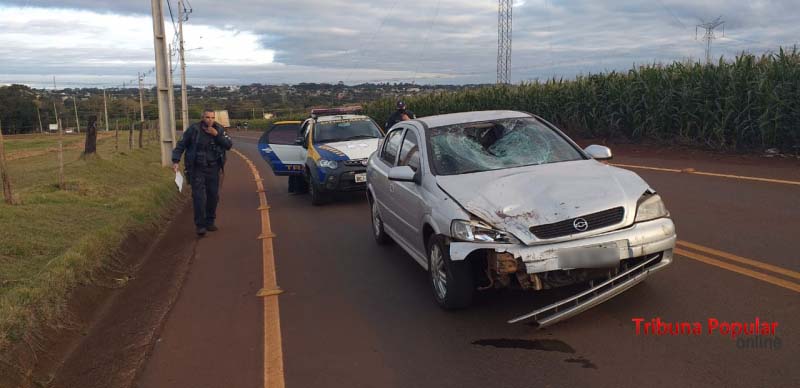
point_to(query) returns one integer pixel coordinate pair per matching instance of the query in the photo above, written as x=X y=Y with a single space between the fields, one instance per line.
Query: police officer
x=401 y=114
x=205 y=144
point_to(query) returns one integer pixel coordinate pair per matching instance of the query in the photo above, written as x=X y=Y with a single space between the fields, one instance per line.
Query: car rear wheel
x=452 y=282
x=377 y=225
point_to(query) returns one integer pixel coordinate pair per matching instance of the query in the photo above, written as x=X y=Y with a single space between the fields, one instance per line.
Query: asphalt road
x=355 y=314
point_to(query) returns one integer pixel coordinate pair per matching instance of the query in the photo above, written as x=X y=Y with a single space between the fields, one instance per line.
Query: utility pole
x=504 y=18
x=162 y=86
x=171 y=95
x=184 y=99
x=105 y=108
x=709 y=34
x=39 y=115
x=141 y=99
x=75 y=104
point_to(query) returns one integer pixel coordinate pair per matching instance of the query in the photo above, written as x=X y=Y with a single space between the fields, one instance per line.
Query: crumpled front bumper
x=640 y=239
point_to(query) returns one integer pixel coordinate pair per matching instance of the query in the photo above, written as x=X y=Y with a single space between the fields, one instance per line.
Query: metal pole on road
x=162 y=86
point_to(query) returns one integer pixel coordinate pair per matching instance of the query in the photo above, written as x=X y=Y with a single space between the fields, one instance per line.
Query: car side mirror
x=403 y=174
x=599 y=152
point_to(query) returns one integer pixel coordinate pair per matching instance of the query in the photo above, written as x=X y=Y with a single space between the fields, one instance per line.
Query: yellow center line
x=743 y=260
x=735 y=268
x=273 y=347
x=692 y=171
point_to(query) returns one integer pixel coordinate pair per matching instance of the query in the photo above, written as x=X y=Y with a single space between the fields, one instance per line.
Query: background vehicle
x=327 y=154
x=504 y=199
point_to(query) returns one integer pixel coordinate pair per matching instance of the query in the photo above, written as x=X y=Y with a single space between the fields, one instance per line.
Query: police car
x=327 y=153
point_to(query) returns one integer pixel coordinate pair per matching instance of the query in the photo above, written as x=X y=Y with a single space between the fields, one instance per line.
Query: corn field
x=747 y=104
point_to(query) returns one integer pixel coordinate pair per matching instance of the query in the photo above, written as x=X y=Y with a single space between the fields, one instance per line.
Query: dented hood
x=516 y=199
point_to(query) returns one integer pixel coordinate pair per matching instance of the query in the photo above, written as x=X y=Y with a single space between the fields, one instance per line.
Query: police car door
x=281 y=147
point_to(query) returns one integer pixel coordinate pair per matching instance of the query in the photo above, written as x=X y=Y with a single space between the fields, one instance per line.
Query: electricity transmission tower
x=503 y=40
x=709 y=35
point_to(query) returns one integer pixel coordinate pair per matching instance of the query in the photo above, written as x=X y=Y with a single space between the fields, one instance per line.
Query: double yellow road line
x=769 y=273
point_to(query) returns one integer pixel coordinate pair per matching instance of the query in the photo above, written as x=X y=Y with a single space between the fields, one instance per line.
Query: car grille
x=565 y=228
x=357 y=162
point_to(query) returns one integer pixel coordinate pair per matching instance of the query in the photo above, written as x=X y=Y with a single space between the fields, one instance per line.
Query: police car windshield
x=343 y=130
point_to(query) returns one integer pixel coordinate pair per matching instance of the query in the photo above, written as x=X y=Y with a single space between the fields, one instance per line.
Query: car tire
x=317 y=198
x=451 y=281
x=377 y=225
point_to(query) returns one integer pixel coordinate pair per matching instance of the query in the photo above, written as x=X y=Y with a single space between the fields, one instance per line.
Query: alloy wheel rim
x=376 y=221
x=438 y=272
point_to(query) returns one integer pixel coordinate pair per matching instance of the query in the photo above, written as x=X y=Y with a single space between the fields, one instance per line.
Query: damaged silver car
x=505 y=199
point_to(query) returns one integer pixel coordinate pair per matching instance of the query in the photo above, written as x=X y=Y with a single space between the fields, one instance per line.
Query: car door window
x=284 y=133
x=392 y=146
x=409 y=151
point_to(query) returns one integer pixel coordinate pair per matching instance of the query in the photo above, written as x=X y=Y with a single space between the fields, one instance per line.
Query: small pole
x=61 y=184
x=105 y=107
x=7 y=192
x=116 y=135
x=39 y=115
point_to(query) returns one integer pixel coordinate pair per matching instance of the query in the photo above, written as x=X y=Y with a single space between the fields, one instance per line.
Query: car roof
x=322 y=119
x=470 y=117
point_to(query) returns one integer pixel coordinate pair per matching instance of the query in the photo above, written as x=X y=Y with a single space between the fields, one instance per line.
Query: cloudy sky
x=105 y=43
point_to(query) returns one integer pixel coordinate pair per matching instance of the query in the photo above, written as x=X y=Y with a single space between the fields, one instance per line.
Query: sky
x=89 y=43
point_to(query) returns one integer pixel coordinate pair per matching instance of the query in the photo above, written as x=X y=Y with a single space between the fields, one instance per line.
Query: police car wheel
x=317 y=198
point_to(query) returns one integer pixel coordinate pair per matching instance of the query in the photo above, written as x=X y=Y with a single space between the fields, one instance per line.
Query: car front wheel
x=377 y=225
x=452 y=281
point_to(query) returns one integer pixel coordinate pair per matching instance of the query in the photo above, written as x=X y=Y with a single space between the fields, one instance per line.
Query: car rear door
x=280 y=148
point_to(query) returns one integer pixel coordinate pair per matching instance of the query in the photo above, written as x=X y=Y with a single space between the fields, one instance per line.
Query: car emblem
x=364 y=162
x=580 y=224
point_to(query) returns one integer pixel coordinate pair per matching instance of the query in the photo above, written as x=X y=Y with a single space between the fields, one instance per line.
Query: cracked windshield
x=475 y=147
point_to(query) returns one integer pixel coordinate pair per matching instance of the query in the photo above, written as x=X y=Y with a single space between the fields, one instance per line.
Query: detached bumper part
x=597 y=294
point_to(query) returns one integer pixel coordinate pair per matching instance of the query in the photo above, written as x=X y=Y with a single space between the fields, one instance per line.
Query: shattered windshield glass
x=494 y=145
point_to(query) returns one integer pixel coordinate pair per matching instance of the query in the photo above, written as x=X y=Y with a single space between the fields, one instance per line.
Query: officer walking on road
x=205 y=144
x=401 y=114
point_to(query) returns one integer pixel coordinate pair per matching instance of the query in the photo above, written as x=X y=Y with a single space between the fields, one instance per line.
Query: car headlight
x=475 y=231
x=328 y=164
x=650 y=207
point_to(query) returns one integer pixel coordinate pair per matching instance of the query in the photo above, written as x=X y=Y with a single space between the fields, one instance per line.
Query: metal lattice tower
x=709 y=35
x=503 y=41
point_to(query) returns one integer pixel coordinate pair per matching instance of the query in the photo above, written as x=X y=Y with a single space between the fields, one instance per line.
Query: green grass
x=54 y=240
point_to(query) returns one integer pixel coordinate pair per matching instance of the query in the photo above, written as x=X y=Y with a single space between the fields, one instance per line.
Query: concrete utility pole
x=105 y=108
x=171 y=96
x=504 y=17
x=184 y=99
x=39 y=115
x=709 y=35
x=162 y=86
x=141 y=99
x=75 y=104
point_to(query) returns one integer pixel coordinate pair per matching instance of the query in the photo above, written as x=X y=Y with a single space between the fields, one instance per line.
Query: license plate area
x=361 y=178
x=606 y=255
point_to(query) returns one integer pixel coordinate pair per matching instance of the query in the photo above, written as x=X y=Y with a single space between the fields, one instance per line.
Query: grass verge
x=54 y=240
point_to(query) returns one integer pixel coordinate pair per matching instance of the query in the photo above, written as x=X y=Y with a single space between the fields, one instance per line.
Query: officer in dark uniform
x=205 y=144
x=401 y=114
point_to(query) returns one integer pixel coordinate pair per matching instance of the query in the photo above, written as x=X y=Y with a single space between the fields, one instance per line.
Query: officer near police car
x=205 y=144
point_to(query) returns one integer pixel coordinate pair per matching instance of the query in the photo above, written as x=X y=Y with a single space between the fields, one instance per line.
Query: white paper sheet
x=179 y=180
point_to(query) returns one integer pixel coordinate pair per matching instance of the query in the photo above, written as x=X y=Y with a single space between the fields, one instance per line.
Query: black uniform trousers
x=205 y=194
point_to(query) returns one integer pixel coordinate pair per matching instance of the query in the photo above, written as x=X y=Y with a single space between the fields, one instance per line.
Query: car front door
x=379 y=180
x=280 y=147
x=407 y=196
